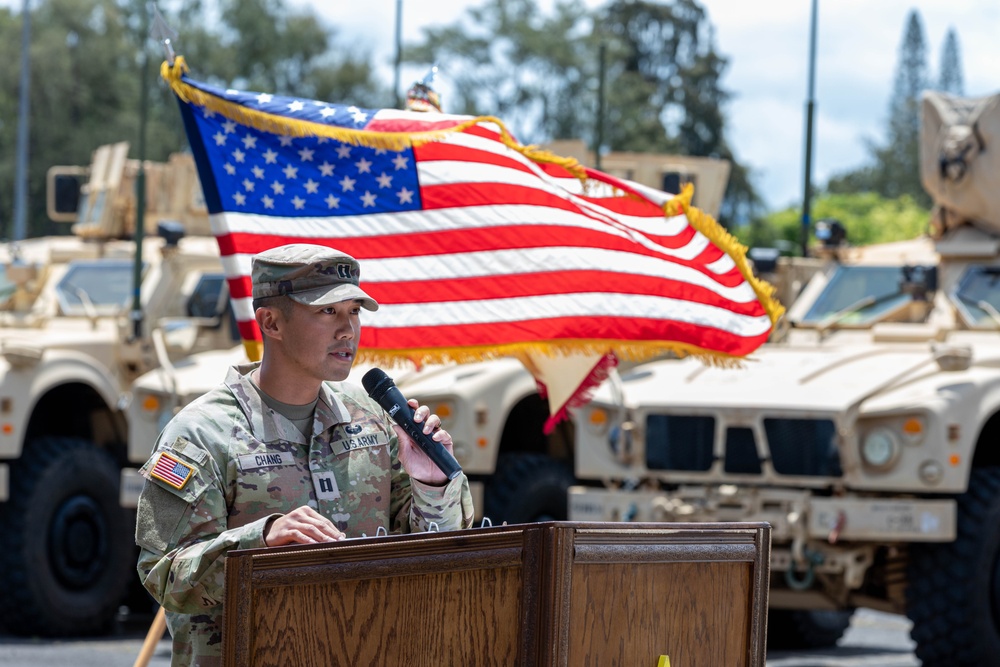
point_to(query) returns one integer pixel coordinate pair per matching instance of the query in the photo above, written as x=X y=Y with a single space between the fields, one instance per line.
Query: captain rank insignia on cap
x=168 y=469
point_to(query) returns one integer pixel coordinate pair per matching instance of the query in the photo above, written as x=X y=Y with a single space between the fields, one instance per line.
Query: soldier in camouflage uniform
x=282 y=452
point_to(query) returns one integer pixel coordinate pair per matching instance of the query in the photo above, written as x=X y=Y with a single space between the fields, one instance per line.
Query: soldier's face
x=323 y=340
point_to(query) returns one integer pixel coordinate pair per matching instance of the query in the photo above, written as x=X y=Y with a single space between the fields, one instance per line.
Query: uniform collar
x=270 y=427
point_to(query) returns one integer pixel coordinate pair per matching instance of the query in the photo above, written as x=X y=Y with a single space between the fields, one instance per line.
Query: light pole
x=810 y=104
x=399 y=53
x=21 y=175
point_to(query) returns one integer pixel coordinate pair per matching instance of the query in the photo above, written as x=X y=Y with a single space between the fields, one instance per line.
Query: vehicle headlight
x=879 y=447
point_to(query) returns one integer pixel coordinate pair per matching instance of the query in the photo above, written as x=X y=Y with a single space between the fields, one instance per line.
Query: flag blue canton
x=279 y=175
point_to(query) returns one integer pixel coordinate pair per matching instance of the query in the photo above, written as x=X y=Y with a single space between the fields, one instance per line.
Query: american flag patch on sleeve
x=168 y=469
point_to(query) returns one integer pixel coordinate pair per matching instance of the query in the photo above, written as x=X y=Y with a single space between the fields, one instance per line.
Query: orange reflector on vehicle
x=913 y=426
x=8 y=429
x=443 y=411
x=482 y=442
x=150 y=404
x=598 y=417
x=955 y=459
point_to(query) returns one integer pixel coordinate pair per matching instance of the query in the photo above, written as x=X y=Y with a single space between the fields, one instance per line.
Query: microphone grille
x=372 y=379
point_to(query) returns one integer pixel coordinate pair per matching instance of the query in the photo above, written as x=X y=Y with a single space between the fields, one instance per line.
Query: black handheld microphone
x=383 y=390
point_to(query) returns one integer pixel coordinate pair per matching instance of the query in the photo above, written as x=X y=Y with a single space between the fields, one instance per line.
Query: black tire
x=953 y=597
x=69 y=549
x=794 y=629
x=528 y=488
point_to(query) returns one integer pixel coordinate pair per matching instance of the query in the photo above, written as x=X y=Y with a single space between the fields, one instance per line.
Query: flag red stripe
x=551 y=329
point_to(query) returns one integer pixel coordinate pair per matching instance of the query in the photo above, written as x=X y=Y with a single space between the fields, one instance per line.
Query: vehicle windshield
x=859 y=295
x=978 y=296
x=103 y=287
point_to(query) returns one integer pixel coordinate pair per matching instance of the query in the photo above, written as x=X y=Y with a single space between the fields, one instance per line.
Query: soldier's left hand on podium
x=414 y=461
x=303 y=525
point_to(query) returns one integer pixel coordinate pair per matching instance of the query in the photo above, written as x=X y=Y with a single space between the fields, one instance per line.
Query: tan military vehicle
x=869 y=437
x=69 y=351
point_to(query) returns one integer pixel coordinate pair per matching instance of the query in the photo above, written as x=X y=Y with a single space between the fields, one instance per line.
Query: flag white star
x=248 y=185
x=306 y=154
x=285 y=140
x=343 y=151
x=230 y=169
x=258 y=171
x=279 y=188
x=327 y=112
x=291 y=172
x=401 y=161
x=268 y=202
x=241 y=199
x=347 y=184
x=326 y=168
x=229 y=127
x=405 y=196
x=270 y=157
x=232 y=91
x=384 y=181
x=220 y=138
x=207 y=113
x=322 y=140
x=298 y=202
x=359 y=116
x=263 y=98
x=364 y=166
x=312 y=187
x=332 y=202
x=380 y=151
x=296 y=106
x=239 y=156
x=368 y=199
x=249 y=142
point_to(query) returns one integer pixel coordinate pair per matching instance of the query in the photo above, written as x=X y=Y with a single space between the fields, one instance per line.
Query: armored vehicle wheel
x=805 y=628
x=953 y=597
x=526 y=488
x=68 y=548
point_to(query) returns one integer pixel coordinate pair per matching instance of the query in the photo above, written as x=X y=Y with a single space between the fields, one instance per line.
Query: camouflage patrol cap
x=310 y=274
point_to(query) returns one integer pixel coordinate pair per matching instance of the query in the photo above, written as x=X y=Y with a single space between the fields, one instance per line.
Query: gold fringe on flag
x=717 y=234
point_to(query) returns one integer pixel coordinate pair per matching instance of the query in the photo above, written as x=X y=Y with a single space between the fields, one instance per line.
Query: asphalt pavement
x=874 y=639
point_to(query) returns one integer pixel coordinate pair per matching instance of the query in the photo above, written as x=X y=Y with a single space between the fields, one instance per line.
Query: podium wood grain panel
x=563 y=594
x=388 y=621
x=624 y=615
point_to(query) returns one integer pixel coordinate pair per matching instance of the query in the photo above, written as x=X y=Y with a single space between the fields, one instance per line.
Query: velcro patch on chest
x=265 y=460
x=171 y=470
x=361 y=439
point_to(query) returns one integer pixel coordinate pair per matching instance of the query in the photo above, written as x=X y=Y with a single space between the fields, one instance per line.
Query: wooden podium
x=559 y=593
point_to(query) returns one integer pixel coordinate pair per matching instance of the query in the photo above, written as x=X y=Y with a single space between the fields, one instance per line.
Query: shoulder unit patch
x=172 y=471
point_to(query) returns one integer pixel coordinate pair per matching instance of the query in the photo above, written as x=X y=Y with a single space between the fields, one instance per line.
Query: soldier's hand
x=414 y=461
x=303 y=525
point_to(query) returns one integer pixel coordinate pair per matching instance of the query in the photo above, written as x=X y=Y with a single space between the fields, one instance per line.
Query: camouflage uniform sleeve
x=449 y=506
x=182 y=532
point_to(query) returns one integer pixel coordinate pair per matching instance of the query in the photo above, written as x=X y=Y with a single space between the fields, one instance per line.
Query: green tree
x=867 y=216
x=950 y=78
x=86 y=80
x=894 y=169
x=506 y=59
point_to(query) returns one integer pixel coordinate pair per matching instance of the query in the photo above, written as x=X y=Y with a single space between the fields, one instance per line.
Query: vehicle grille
x=798 y=446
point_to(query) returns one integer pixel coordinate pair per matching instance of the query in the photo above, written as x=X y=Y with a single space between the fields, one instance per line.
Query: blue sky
x=768 y=46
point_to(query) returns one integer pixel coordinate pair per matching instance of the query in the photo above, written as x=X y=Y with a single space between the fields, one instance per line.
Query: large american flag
x=473 y=245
